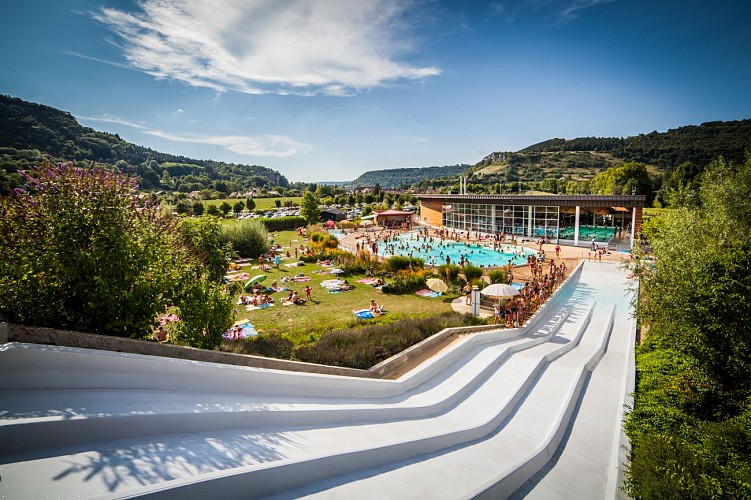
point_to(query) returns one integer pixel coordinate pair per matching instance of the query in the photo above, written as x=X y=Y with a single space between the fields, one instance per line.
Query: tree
x=249 y=237
x=80 y=251
x=309 y=208
x=203 y=237
x=198 y=208
x=250 y=204
x=629 y=178
x=225 y=208
x=238 y=207
x=182 y=207
x=681 y=188
x=213 y=210
x=690 y=428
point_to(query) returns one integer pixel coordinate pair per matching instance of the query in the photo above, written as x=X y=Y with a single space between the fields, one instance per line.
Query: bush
x=270 y=346
x=472 y=273
x=497 y=276
x=449 y=272
x=80 y=251
x=367 y=346
x=248 y=237
x=406 y=282
x=203 y=235
x=400 y=263
x=283 y=223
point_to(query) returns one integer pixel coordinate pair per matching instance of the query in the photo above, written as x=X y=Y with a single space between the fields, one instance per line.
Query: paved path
x=483 y=418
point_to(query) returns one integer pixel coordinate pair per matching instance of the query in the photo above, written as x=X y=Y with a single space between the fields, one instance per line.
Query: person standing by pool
x=468 y=293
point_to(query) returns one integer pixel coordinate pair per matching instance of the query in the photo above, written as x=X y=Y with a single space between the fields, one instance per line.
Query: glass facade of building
x=521 y=220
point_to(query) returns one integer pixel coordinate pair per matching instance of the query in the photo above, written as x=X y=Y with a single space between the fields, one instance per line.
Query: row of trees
x=690 y=428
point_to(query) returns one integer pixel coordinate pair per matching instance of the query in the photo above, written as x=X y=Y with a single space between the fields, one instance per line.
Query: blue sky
x=328 y=89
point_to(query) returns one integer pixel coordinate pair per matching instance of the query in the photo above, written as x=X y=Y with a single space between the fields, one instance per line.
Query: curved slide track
x=531 y=412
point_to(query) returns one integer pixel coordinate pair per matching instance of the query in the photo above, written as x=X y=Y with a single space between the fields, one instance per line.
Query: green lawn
x=327 y=311
x=261 y=203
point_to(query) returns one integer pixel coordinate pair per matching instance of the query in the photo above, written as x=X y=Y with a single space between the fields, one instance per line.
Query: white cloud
x=279 y=146
x=304 y=47
x=560 y=12
x=571 y=10
x=111 y=119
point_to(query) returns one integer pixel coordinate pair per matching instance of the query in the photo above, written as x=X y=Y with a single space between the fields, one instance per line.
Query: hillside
x=29 y=132
x=396 y=177
x=699 y=144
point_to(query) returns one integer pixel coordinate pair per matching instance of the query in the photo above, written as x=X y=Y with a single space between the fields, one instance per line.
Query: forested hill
x=699 y=144
x=30 y=131
x=396 y=177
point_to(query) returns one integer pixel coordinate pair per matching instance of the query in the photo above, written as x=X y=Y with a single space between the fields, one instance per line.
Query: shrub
x=283 y=223
x=450 y=272
x=497 y=276
x=406 y=282
x=270 y=346
x=472 y=273
x=400 y=263
x=80 y=251
x=319 y=241
x=249 y=238
x=203 y=235
x=367 y=346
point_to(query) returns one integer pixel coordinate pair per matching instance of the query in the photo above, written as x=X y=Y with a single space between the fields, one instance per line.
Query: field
x=303 y=324
x=261 y=203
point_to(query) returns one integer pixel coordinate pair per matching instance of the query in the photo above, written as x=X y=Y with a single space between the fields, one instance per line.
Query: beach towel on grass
x=253 y=308
x=295 y=264
x=246 y=331
x=428 y=293
x=368 y=281
x=363 y=313
x=300 y=279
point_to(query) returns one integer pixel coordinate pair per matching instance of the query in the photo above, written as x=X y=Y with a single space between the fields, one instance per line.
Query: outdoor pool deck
x=482 y=418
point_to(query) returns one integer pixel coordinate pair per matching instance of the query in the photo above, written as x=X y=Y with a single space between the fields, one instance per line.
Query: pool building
x=564 y=219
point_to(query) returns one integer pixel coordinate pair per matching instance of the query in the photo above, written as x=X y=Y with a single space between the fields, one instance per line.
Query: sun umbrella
x=437 y=285
x=255 y=279
x=499 y=290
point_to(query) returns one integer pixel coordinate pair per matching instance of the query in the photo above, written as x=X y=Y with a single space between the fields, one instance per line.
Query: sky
x=324 y=90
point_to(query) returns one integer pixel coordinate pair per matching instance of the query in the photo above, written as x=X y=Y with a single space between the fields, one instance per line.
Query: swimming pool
x=435 y=252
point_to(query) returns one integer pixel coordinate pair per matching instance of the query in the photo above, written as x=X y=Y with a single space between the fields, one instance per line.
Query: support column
x=576 y=227
x=633 y=226
x=530 y=233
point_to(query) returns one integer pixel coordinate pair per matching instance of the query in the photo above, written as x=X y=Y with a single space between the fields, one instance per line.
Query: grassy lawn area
x=326 y=311
x=261 y=203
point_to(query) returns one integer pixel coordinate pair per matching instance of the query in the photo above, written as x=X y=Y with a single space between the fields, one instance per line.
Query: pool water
x=435 y=252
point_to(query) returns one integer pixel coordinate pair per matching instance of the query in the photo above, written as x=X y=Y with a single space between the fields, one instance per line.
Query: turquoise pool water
x=435 y=252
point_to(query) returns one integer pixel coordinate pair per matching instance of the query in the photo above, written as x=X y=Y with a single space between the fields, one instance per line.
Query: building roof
x=333 y=211
x=394 y=212
x=558 y=200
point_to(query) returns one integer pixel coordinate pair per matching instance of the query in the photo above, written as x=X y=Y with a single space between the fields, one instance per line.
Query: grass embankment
x=326 y=312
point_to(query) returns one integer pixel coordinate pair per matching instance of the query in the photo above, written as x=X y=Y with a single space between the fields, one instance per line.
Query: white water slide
x=533 y=412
